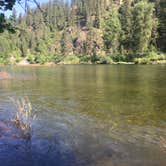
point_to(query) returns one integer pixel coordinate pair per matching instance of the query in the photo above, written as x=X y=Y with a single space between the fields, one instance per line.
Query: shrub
x=84 y=59
x=31 y=59
x=105 y=60
x=162 y=144
x=94 y=58
x=150 y=58
x=119 y=58
x=56 y=58
x=72 y=59
x=144 y=60
x=40 y=58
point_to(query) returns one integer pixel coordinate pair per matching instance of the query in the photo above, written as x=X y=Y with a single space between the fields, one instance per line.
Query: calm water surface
x=87 y=115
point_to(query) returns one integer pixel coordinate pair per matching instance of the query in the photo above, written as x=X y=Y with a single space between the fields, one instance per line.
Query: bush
x=94 y=58
x=144 y=60
x=42 y=59
x=72 y=59
x=1 y=60
x=84 y=59
x=119 y=58
x=105 y=60
x=162 y=56
x=56 y=58
x=31 y=59
x=150 y=58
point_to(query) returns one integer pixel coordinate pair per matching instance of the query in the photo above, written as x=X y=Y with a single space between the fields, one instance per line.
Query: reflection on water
x=87 y=115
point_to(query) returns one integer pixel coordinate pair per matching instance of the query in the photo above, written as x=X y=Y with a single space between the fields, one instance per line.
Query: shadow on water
x=65 y=139
x=61 y=140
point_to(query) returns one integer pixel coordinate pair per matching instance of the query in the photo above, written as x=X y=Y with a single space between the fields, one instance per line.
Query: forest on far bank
x=87 y=32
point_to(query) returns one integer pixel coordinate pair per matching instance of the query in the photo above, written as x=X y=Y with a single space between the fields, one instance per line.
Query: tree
x=112 y=32
x=161 y=14
x=90 y=29
x=142 y=26
x=5 y=5
x=8 y=5
x=126 y=23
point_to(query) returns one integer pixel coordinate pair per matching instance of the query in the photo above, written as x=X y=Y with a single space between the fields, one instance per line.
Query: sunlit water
x=87 y=116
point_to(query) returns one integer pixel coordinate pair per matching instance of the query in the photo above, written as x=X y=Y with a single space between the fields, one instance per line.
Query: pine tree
x=112 y=32
x=161 y=14
x=142 y=26
x=126 y=23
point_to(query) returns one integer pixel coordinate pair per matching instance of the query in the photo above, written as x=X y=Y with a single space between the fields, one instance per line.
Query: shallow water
x=87 y=115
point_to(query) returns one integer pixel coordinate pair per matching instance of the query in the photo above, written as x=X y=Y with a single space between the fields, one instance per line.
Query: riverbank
x=73 y=59
x=112 y=63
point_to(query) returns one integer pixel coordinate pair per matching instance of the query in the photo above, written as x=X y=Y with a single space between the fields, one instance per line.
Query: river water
x=87 y=115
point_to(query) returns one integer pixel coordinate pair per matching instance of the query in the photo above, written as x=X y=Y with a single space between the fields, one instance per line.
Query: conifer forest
x=85 y=31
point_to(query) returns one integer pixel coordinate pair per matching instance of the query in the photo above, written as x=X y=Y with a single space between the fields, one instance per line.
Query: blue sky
x=19 y=8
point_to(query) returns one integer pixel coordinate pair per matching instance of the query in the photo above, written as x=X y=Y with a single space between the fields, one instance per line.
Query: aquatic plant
x=23 y=115
x=163 y=144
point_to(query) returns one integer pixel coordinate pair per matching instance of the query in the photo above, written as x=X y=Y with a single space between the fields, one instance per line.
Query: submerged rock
x=9 y=129
x=3 y=126
x=4 y=75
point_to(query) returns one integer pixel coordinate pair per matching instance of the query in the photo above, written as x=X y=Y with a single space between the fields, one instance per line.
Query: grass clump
x=23 y=115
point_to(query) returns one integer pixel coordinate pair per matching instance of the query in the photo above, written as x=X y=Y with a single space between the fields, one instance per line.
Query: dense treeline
x=87 y=31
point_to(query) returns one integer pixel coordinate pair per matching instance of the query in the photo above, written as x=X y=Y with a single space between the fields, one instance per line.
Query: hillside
x=83 y=31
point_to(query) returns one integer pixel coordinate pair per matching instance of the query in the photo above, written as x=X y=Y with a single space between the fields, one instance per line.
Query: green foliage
x=126 y=19
x=142 y=26
x=84 y=59
x=96 y=31
x=119 y=58
x=112 y=32
x=161 y=14
x=4 y=47
x=39 y=58
x=56 y=58
x=31 y=59
x=5 y=5
x=151 y=58
x=105 y=60
x=42 y=59
x=71 y=60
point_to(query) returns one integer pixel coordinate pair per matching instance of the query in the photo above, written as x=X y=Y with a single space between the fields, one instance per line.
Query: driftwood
x=4 y=75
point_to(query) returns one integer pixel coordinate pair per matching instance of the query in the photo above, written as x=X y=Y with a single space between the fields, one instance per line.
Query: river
x=87 y=115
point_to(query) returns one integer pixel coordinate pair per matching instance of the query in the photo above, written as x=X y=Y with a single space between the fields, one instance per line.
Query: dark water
x=87 y=116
